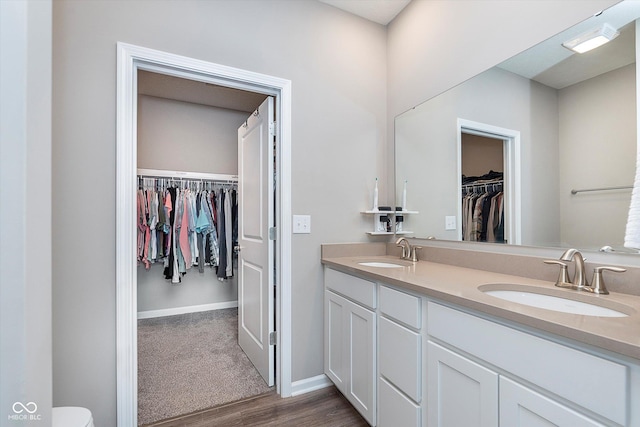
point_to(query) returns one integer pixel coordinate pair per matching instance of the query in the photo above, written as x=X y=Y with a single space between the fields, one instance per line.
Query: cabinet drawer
x=400 y=306
x=359 y=290
x=570 y=373
x=399 y=357
x=394 y=409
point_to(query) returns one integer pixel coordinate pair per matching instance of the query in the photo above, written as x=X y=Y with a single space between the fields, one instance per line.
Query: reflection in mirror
x=571 y=161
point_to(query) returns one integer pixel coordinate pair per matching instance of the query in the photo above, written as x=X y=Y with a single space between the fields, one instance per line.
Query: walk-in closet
x=187 y=238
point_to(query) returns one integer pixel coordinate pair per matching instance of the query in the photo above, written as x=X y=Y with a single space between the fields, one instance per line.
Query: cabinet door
x=460 y=392
x=349 y=352
x=335 y=339
x=361 y=359
x=522 y=407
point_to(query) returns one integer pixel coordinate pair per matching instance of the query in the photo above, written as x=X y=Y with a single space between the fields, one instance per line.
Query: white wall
x=481 y=154
x=597 y=150
x=25 y=226
x=196 y=289
x=182 y=136
x=337 y=65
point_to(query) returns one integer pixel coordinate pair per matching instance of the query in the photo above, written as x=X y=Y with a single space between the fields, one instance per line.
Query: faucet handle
x=414 y=253
x=597 y=284
x=563 y=278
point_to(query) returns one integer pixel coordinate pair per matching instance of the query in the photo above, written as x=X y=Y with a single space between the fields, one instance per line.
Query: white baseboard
x=310 y=384
x=188 y=309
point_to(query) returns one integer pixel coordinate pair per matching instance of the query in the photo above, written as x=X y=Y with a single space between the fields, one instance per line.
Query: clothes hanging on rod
x=181 y=223
x=483 y=208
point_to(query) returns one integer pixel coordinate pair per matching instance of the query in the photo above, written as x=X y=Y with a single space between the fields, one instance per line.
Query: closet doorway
x=131 y=61
x=198 y=342
x=488 y=171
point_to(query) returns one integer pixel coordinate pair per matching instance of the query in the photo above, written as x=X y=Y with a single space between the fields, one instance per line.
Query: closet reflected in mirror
x=482 y=166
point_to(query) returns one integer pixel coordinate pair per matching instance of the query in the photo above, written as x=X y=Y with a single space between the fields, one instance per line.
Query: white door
x=255 y=259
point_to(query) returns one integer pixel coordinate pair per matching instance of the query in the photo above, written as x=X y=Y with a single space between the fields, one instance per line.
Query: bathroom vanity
x=416 y=344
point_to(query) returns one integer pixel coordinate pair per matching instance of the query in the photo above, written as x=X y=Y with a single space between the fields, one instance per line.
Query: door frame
x=130 y=59
x=512 y=175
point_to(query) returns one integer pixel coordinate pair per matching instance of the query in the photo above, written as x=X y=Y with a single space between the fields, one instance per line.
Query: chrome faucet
x=409 y=252
x=579 y=276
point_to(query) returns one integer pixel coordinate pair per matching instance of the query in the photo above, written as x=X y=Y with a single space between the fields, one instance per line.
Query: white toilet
x=72 y=416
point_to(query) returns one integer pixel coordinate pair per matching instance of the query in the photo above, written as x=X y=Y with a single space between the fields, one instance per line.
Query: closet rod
x=625 y=187
x=471 y=184
x=198 y=176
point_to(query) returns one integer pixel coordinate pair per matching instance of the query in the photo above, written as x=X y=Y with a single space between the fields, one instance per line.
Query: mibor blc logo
x=24 y=412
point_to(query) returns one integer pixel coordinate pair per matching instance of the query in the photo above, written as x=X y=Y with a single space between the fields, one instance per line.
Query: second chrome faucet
x=579 y=281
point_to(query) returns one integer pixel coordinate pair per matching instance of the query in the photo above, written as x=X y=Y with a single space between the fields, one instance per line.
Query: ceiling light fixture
x=592 y=39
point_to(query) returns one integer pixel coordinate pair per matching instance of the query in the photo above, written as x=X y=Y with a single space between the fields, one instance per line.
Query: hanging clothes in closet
x=186 y=227
x=483 y=208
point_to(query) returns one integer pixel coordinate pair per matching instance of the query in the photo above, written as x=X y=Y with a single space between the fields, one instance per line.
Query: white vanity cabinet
x=406 y=360
x=516 y=378
x=350 y=339
x=374 y=348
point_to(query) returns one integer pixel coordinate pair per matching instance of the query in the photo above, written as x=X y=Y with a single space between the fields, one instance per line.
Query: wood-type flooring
x=326 y=407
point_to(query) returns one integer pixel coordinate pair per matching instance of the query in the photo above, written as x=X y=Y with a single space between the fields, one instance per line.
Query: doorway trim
x=130 y=59
x=512 y=176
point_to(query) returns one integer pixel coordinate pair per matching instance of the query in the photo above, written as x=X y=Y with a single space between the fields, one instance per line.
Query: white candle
x=404 y=197
x=375 y=197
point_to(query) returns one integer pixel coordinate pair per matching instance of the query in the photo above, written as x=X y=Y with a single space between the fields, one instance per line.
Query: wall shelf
x=376 y=221
x=390 y=212
x=388 y=233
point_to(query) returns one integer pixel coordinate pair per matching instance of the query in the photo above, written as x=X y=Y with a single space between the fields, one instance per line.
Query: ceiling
x=195 y=92
x=380 y=11
x=555 y=66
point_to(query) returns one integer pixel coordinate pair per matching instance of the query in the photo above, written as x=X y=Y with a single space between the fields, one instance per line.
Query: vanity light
x=592 y=39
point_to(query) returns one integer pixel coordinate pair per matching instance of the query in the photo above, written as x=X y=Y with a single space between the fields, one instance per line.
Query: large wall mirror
x=547 y=139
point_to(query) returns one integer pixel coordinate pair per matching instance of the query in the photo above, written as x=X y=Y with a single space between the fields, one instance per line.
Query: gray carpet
x=192 y=362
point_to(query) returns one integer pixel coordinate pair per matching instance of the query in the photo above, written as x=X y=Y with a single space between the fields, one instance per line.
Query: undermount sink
x=381 y=264
x=540 y=298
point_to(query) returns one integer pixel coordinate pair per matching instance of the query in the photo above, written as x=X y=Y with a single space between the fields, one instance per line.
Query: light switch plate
x=302 y=224
x=449 y=222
